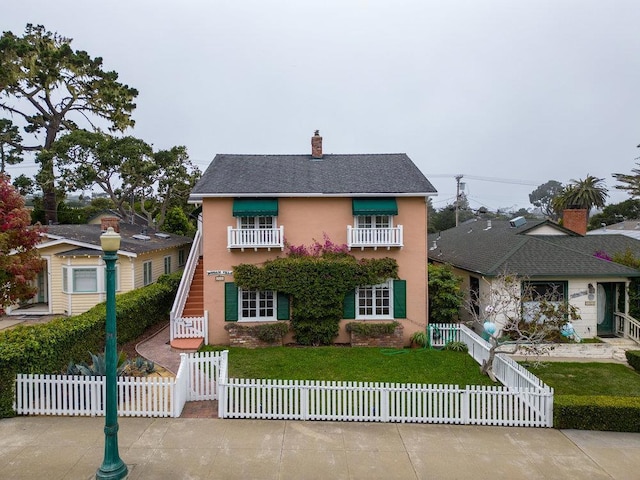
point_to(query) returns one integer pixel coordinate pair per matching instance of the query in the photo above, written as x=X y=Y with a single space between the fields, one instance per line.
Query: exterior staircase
x=194 y=307
x=195 y=301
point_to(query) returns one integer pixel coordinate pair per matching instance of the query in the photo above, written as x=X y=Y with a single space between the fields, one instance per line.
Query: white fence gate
x=137 y=396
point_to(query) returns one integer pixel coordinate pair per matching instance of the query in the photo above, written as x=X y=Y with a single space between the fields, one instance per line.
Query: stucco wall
x=306 y=219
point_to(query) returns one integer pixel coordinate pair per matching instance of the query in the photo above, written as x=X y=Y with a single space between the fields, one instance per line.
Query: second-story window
x=254 y=223
x=374 y=221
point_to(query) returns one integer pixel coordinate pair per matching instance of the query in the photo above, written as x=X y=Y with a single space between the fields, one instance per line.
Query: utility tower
x=458 y=178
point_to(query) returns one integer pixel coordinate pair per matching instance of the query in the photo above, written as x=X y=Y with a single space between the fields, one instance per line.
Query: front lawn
x=355 y=364
x=569 y=378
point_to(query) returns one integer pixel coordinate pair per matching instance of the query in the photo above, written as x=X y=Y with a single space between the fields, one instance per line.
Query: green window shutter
x=283 y=306
x=349 y=305
x=230 y=302
x=399 y=299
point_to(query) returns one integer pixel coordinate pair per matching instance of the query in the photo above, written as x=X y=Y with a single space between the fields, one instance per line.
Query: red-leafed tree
x=20 y=261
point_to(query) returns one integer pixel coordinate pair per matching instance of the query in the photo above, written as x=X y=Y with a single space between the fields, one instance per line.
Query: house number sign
x=219 y=272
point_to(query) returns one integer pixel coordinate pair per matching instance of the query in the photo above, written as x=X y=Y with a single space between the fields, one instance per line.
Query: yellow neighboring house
x=72 y=279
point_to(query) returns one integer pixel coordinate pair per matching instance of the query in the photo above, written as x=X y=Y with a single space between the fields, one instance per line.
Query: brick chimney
x=106 y=222
x=316 y=145
x=575 y=219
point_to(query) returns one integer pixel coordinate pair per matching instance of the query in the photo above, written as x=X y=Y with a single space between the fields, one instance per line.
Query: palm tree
x=587 y=193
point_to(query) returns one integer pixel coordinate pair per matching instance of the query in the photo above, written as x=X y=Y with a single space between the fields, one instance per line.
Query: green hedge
x=49 y=347
x=633 y=359
x=618 y=414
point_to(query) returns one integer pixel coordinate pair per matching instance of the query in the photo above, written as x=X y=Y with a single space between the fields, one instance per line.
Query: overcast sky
x=521 y=91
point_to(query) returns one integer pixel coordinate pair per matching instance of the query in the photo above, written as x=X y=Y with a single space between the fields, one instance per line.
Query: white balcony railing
x=255 y=238
x=374 y=237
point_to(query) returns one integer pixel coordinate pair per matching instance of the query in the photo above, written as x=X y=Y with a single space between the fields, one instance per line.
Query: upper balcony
x=255 y=238
x=374 y=237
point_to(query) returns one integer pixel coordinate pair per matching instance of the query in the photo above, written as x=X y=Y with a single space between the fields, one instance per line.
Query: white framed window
x=375 y=301
x=147 y=269
x=257 y=305
x=374 y=221
x=86 y=279
x=167 y=264
x=256 y=223
x=182 y=257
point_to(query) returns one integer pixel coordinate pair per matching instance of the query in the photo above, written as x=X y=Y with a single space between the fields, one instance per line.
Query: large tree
x=10 y=149
x=127 y=169
x=584 y=193
x=630 y=182
x=51 y=88
x=19 y=259
x=176 y=177
x=119 y=166
x=542 y=197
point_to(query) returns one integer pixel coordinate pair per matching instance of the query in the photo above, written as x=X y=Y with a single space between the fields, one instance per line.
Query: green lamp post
x=112 y=468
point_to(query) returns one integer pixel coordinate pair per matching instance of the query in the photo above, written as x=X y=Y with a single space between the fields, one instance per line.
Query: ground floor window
x=386 y=301
x=534 y=293
x=374 y=301
x=86 y=279
x=147 y=269
x=256 y=305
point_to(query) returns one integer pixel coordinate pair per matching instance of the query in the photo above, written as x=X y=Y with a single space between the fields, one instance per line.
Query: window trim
x=147 y=265
x=274 y=306
x=256 y=223
x=68 y=279
x=167 y=260
x=375 y=288
x=374 y=224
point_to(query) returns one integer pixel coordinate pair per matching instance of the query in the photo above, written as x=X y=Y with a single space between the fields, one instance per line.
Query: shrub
x=48 y=348
x=372 y=329
x=633 y=359
x=268 y=332
x=420 y=338
x=619 y=414
x=457 y=347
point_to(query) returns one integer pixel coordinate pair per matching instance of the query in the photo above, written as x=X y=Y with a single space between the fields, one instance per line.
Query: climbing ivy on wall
x=317 y=284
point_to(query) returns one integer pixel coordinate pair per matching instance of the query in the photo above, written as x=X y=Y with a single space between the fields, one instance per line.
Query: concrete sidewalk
x=72 y=448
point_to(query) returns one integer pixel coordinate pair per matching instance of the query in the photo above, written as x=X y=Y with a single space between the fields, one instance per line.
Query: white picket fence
x=524 y=400
x=376 y=402
x=137 y=396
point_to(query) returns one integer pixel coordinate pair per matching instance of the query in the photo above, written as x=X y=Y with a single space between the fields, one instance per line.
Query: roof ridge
x=522 y=241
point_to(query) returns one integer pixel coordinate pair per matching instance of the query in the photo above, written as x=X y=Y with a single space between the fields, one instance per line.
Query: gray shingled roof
x=277 y=175
x=90 y=234
x=490 y=252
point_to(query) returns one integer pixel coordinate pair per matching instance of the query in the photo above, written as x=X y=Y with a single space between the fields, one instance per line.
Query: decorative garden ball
x=489 y=327
x=567 y=330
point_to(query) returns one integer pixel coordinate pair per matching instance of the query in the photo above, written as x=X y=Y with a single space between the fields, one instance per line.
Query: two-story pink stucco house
x=374 y=203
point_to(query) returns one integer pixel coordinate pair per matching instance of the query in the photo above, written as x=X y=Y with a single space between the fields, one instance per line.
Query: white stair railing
x=185 y=281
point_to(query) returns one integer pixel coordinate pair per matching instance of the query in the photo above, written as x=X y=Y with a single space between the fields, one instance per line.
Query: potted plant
x=419 y=339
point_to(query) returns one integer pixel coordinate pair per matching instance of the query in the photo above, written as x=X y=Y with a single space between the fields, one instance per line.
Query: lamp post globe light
x=112 y=468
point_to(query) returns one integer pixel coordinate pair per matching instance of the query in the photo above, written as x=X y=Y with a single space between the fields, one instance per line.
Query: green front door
x=606 y=303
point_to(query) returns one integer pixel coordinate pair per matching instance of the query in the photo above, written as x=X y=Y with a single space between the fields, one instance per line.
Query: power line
x=486 y=179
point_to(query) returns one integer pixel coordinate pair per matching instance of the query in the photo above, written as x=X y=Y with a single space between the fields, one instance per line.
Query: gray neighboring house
x=546 y=255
